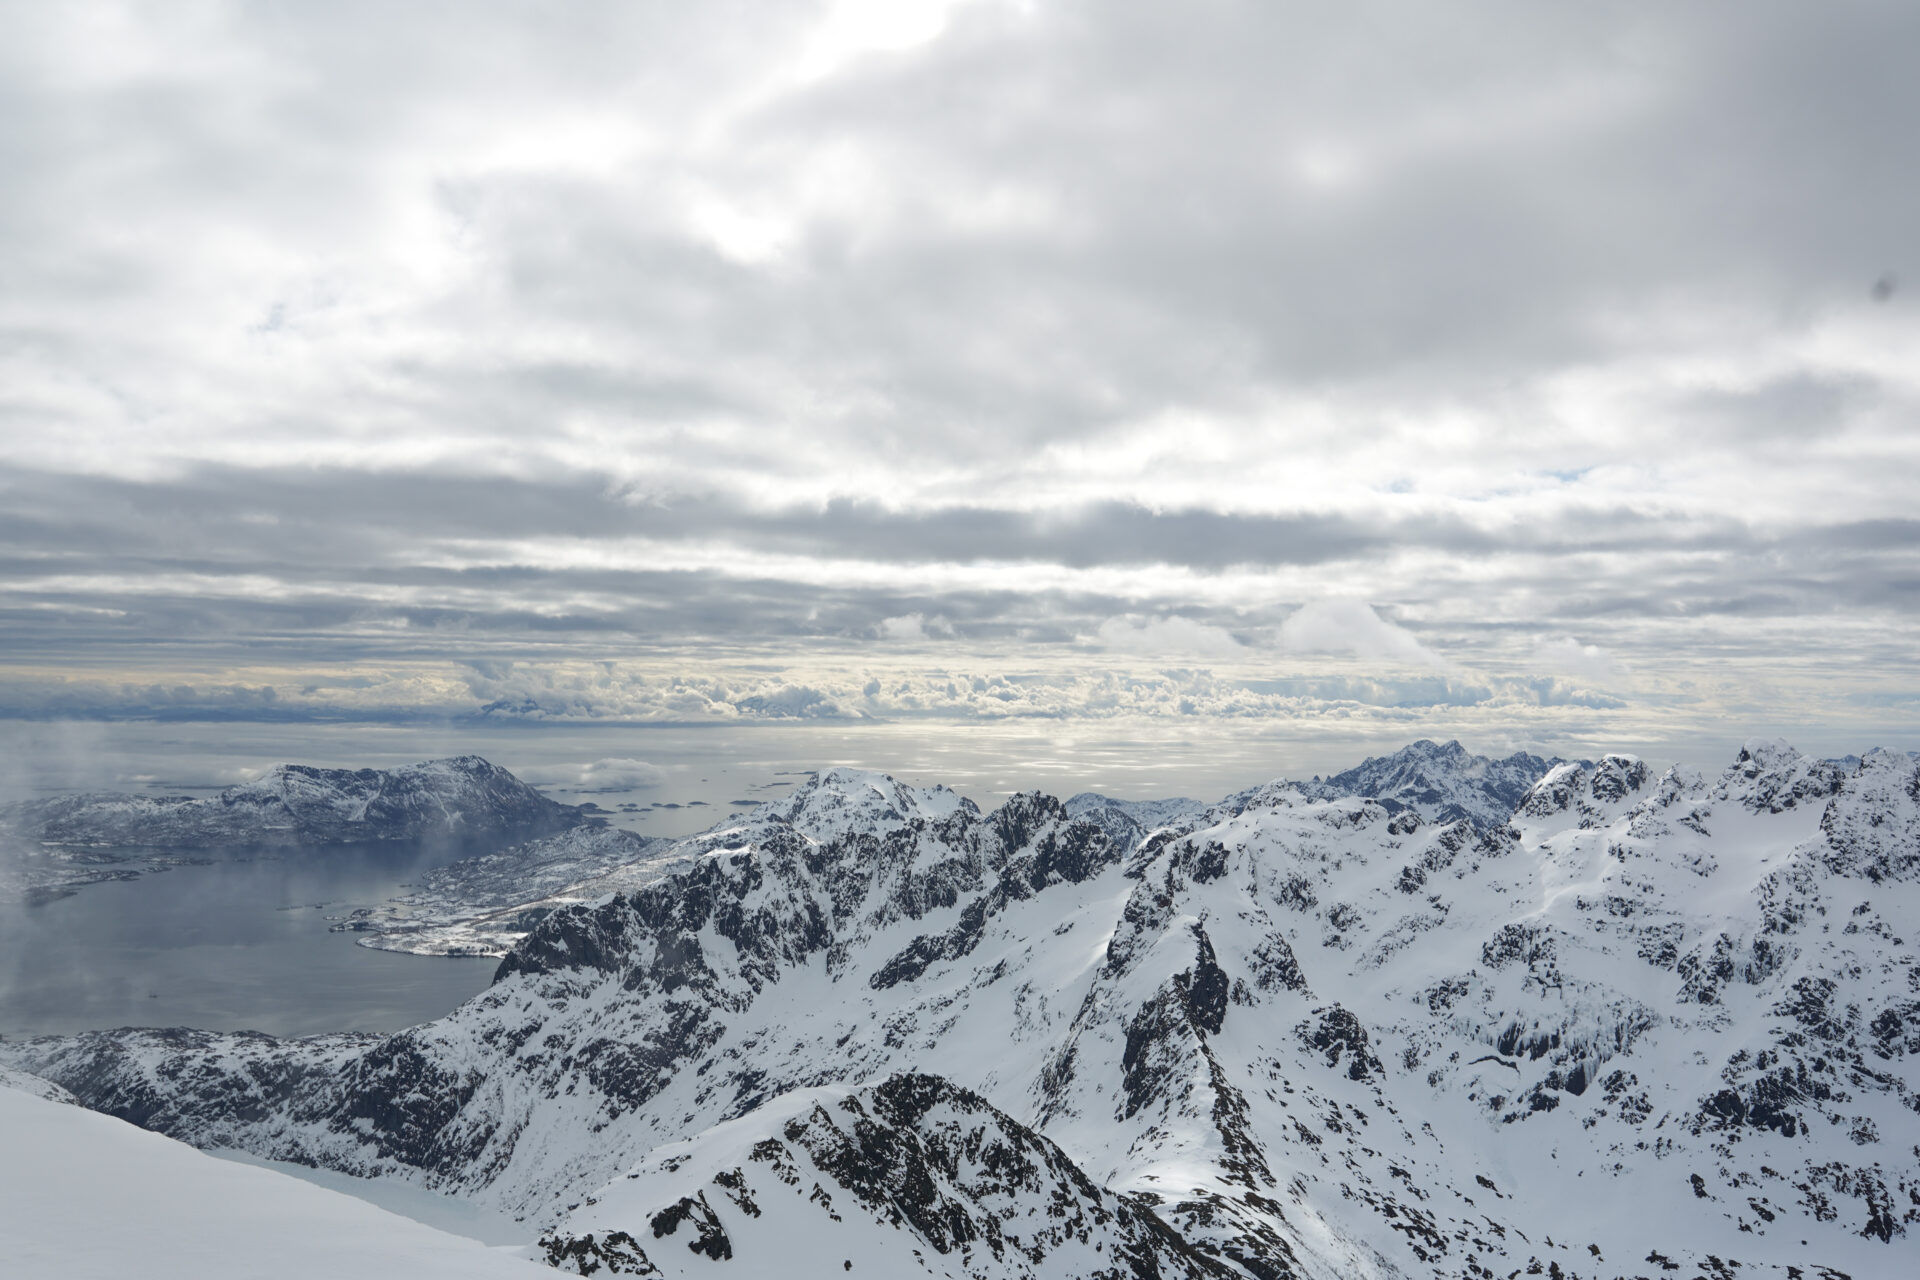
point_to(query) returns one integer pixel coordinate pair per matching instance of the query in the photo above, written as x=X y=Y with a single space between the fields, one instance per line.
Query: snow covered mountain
x=302 y=804
x=484 y=905
x=49 y=847
x=1440 y=783
x=1128 y=822
x=1654 y=1024
x=1437 y=783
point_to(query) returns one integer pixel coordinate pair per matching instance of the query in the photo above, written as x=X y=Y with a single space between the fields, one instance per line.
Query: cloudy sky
x=1460 y=368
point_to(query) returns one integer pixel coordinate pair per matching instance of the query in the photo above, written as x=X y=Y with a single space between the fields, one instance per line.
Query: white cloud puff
x=913 y=626
x=1589 y=663
x=1351 y=626
x=1171 y=636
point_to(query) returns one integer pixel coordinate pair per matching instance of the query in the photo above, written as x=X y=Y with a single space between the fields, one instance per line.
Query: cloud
x=1351 y=626
x=913 y=626
x=1027 y=327
x=791 y=702
x=1550 y=692
x=1588 y=662
x=1171 y=637
x=1402 y=691
x=602 y=691
x=906 y=264
x=1064 y=696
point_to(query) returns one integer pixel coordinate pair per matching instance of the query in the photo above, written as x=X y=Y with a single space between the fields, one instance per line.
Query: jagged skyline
x=1632 y=1014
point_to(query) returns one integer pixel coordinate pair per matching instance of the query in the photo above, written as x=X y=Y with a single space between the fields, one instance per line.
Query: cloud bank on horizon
x=965 y=358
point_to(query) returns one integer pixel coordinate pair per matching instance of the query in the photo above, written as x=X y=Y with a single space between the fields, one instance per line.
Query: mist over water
x=241 y=943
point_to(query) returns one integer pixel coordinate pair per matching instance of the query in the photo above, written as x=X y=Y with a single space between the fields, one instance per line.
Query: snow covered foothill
x=84 y=1196
x=1652 y=1023
x=482 y=906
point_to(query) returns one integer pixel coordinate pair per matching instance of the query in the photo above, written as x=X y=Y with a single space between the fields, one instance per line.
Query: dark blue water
x=241 y=943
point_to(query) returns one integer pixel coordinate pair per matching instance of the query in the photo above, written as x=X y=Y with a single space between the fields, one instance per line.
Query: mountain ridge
x=1313 y=1036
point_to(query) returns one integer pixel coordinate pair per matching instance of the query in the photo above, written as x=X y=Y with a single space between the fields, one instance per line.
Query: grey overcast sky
x=1512 y=368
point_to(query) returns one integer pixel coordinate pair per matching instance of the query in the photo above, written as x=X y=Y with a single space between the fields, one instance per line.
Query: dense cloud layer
x=1367 y=356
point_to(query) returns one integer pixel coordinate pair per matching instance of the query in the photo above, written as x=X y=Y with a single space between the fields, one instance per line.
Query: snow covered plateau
x=1441 y=1016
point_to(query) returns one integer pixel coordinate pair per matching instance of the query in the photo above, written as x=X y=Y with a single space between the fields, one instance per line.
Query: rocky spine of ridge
x=1653 y=1023
x=885 y=1179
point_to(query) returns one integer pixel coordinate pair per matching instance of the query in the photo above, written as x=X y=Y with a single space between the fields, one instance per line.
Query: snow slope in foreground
x=85 y=1195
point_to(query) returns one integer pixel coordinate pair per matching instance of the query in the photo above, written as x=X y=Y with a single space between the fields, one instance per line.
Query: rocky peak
x=1616 y=777
x=1023 y=815
x=1278 y=794
x=1771 y=777
x=1128 y=822
x=1588 y=792
x=842 y=800
x=1871 y=826
x=1442 y=783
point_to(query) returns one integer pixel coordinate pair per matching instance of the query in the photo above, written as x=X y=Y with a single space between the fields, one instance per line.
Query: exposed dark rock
x=1336 y=1032
x=616 y=1252
x=705 y=1235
